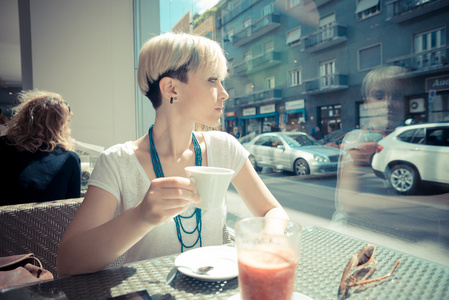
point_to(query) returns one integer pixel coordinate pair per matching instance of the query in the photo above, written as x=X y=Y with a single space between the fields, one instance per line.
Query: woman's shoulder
x=214 y=136
x=120 y=149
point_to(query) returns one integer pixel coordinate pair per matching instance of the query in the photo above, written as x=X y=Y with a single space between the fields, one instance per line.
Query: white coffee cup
x=211 y=185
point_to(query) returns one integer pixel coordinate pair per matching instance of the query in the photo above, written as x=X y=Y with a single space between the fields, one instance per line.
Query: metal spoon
x=200 y=271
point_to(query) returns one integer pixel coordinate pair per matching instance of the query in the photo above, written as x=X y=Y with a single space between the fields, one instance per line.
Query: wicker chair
x=38 y=227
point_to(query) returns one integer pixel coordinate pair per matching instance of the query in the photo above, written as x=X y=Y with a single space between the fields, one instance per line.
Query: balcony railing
x=238 y=9
x=424 y=61
x=325 y=38
x=240 y=69
x=403 y=10
x=326 y=83
x=259 y=97
x=267 y=60
x=261 y=27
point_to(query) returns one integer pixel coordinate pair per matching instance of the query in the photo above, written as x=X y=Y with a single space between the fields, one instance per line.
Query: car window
x=263 y=141
x=305 y=140
x=419 y=136
x=275 y=141
x=437 y=136
x=415 y=136
x=290 y=141
x=375 y=136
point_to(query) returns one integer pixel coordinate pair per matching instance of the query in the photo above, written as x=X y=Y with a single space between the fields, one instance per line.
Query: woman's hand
x=166 y=198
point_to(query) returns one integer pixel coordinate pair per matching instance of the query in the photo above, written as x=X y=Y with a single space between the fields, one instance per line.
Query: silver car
x=296 y=152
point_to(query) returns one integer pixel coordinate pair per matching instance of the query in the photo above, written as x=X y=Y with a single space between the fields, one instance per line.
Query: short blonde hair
x=40 y=122
x=387 y=78
x=173 y=55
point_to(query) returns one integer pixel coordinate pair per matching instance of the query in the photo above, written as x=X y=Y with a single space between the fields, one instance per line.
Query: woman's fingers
x=168 y=197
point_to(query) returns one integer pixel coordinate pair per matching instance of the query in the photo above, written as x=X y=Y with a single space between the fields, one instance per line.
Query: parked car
x=412 y=154
x=334 y=135
x=362 y=143
x=295 y=152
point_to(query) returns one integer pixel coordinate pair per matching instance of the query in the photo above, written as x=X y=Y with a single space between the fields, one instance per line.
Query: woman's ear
x=167 y=86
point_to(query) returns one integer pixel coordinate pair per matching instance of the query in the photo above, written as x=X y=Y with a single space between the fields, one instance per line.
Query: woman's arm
x=255 y=193
x=94 y=239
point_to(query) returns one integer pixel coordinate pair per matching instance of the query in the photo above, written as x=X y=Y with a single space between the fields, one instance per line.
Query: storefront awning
x=273 y=114
x=365 y=4
x=295 y=111
x=231 y=118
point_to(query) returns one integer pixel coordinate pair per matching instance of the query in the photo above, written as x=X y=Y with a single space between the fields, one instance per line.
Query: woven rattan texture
x=36 y=228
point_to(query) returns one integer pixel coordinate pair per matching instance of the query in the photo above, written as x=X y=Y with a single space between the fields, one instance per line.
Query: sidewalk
x=426 y=250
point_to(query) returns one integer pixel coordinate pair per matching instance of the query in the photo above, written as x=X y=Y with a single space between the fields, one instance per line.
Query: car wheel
x=252 y=160
x=404 y=179
x=301 y=167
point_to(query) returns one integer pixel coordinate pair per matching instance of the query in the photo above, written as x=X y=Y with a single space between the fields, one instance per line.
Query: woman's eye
x=213 y=79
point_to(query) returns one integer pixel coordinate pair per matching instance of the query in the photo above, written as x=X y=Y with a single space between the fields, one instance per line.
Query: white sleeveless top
x=119 y=172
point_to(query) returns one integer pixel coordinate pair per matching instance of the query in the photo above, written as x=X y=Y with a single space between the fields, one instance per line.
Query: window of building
x=247 y=23
x=249 y=88
x=266 y=10
x=295 y=77
x=269 y=83
x=327 y=73
x=230 y=35
x=367 y=8
x=428 y=43
x=293 y=3
x=268 y=46
x=294 y=36
x=248 y=55
x=326 y=26
x=370 y=57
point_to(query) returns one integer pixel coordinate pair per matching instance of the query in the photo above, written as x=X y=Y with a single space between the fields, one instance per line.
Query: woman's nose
x=223 y=94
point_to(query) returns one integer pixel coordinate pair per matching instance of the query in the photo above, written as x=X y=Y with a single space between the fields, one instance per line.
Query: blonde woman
x=36 y=158
x=145 y=181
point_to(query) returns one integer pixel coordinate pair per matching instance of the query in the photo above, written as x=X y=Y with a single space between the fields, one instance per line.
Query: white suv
x=412 y=154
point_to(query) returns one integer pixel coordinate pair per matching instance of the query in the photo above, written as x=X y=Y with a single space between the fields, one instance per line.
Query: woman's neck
x=172 y=139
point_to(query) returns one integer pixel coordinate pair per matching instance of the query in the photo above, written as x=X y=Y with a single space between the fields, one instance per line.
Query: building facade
x=299 y=64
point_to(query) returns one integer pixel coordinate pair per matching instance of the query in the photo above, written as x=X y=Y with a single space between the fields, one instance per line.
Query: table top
x=324 y=255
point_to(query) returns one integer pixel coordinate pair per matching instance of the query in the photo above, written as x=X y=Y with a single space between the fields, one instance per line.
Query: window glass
x=407 y=136
x=358 y=75
x=294 y=36
x=295 y=77
x=370 y=57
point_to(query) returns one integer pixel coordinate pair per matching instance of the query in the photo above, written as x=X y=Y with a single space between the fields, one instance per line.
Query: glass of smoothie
x=268 y=254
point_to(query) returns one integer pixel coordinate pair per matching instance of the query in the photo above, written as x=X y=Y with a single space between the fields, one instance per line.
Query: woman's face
x=202 y=97
x=385 y=107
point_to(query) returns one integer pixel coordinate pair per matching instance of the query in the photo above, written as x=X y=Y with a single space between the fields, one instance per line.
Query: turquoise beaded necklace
x=160 y=173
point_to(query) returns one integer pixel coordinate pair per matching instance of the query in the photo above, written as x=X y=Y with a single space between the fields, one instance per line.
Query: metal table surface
x=324 y=255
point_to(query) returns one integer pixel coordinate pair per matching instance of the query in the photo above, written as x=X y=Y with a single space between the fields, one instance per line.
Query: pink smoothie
x=266 y=275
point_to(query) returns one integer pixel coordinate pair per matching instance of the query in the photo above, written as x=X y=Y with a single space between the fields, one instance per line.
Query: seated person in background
x=37 y=164
x=145 y=181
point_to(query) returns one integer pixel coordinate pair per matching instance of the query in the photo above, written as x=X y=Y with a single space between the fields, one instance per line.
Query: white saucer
x=222 y=258
x=295 y=296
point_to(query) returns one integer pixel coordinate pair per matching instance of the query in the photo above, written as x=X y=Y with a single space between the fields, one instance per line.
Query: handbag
x=22 y=269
